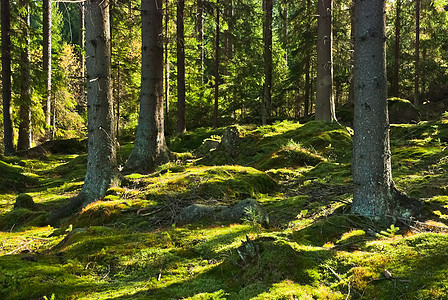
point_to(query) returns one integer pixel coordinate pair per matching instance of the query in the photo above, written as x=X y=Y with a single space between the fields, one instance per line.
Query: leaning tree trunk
x=150 y=148
x=267 y=37
x=374 y=192
x=181 y=126
x=46 y=57
x=24 y=139
x=325 y=110
x=102 y=169
x=8 y=136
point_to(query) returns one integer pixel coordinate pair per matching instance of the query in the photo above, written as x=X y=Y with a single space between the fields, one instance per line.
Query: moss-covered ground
x=128 y=245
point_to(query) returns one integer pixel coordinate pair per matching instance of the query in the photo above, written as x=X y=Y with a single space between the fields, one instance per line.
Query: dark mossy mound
x=402 y=111
x=70 y=146
x=14 y=178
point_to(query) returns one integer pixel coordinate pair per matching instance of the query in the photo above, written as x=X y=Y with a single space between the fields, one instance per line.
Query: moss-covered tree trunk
x=375 y=194
x=150 y=148
x=325 y=110
x=8 y=136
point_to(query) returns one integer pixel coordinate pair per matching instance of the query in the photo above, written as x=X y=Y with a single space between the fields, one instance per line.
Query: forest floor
x=130 y=244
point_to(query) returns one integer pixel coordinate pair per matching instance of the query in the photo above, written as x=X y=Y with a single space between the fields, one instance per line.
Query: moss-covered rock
x=24 y=201
x=402 y=111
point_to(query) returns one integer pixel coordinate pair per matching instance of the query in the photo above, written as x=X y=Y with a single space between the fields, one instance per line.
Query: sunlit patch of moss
x=222 y=182
x=333 y=172
x=288 y=289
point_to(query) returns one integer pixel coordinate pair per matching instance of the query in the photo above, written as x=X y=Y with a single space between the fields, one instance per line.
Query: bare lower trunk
x=8 y=136
x=150 y=148
x=325 y=110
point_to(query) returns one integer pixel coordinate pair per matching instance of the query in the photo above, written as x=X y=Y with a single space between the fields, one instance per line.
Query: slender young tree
x=181 y=126
x=200 y=30
x=8 y=136
x=46 y=57
x=150 y=148
x=417 y=54
x=325 y=110
x=307 y=62
x=397 y=28
x=375 y=194
x=24 y=139
x=166 y=57
x=215 y=107
x=267 y=53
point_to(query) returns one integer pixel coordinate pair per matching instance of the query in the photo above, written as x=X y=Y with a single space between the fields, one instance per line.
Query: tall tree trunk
x=417 y=54
x=167 y=62
x=181 y=127
x=397 y=26
x=24 y=139
x=102 y=169
x=150 y=148
x=267 y=37
x=351 y=87
x=46 y=53
x=374 y=193
x=215 y=107
x=228 y=33
x=8 y=136
x=200 y=30
x=82 y=43
x=307 y=62
x=325 y=110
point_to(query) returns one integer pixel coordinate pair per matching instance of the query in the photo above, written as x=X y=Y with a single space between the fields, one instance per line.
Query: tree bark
x=102 y=169
x=150 y=148
x=8 y=135
x=396 y=79
x=325 y=110
x=374 y=194
x=24 y=139
x=307 y=62
x=46 y=53
x=181 y=126
x=417 y=54
x=167 y=62
x=215 y=108
x=200 y=30
x=371 y=166
x=267 y=37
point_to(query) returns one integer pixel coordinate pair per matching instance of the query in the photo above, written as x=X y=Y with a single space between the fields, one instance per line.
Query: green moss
x=14 y=177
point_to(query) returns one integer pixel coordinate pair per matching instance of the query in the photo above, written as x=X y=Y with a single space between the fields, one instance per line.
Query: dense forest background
x=241 y=61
